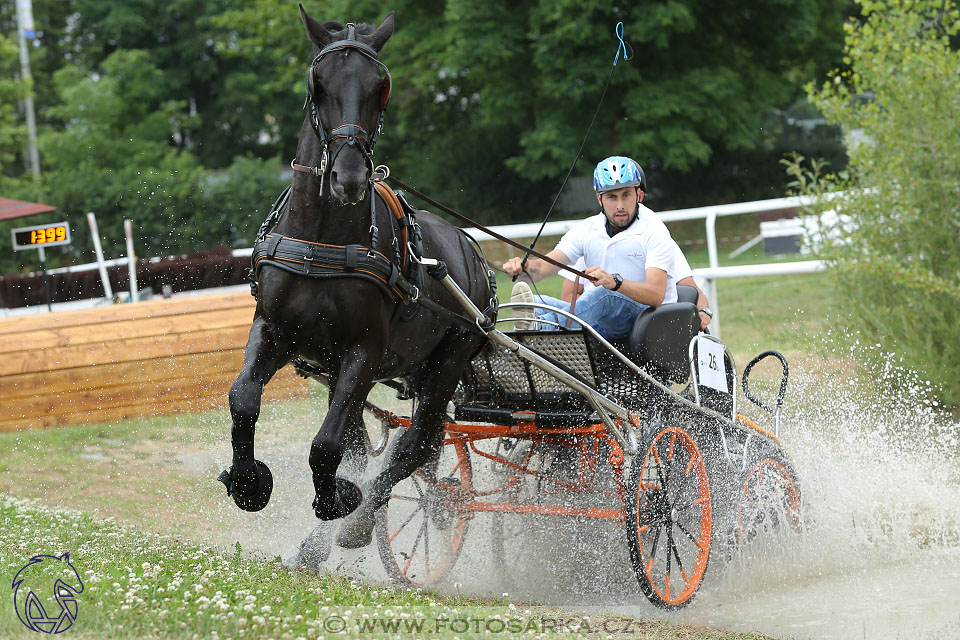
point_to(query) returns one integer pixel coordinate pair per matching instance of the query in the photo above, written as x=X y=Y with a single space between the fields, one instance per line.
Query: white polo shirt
x=643 y=245
x=680 y=264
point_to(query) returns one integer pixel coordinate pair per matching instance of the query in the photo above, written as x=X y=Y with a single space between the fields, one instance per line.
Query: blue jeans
x=610 y=313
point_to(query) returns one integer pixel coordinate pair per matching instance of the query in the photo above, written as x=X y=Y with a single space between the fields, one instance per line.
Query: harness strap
x=351 y=262
x=374 y=231
x=317 y=260
x=399 y=214
x=270 y=244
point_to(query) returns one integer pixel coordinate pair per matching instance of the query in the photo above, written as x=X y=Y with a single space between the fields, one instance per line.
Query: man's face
x=620 y=206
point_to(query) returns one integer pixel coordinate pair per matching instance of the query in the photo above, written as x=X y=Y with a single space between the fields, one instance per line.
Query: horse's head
x=348 y=91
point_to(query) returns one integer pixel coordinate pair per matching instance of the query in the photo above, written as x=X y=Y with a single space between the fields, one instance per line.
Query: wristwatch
x=707 y=310
x=618 y=279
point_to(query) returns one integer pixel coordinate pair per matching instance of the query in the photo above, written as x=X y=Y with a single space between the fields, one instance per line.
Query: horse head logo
x=45 y=593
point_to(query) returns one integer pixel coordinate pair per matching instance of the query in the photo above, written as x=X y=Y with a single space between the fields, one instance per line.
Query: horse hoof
x=345 y=501
x=249 y=499
x=315 y=548
x=355 y=533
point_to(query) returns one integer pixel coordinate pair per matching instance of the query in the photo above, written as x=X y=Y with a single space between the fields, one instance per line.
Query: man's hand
x=513 y=267
x=705 y=319
x=603 y=279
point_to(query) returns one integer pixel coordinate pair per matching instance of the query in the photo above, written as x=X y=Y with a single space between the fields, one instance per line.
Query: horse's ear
x=318 y=34
x=383 y=33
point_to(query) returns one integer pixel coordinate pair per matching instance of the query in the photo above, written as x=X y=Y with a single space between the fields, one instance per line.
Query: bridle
x=351 y=132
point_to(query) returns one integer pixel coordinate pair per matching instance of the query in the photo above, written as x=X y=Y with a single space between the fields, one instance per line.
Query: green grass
x=147 y=585
x=787 y=313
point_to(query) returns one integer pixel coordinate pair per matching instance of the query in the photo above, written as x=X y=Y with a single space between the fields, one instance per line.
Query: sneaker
x=524 y=316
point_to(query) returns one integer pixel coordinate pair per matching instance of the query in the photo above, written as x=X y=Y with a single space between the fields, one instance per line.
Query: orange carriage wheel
x=420 y=531
x=769 y=501
x=669 y=517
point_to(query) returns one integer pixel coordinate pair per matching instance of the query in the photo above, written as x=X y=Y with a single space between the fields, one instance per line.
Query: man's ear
x=640 y=195
x=599 y=201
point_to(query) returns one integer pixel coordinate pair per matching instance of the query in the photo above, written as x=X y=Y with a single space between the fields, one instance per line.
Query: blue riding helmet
x=617 y=172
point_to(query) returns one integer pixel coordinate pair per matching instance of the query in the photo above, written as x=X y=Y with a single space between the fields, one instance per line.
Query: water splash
x=879 y=558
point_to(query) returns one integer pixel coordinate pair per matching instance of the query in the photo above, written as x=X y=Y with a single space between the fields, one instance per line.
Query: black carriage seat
x=660 y=339
x=497 y=383
x=686 y=293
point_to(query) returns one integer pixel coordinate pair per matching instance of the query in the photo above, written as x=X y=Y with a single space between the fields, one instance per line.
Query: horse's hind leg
x=248 y=479
x=315 y=548
x=413 y=448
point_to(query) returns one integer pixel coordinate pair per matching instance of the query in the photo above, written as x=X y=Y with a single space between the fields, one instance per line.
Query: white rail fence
x=705 y=277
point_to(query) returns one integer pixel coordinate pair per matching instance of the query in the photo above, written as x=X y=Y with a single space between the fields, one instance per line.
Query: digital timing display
x=41 y=236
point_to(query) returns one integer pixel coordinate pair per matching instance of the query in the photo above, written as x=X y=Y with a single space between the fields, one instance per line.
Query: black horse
x=333 y=291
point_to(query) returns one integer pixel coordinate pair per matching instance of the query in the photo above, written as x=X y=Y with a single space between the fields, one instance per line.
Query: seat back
x=660 y=339
x=686 y=293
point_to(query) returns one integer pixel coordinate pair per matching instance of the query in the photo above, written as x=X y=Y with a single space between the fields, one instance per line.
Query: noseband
x=351 y=132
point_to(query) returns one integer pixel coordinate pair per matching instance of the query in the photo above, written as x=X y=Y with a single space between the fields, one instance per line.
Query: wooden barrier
x=127 y=361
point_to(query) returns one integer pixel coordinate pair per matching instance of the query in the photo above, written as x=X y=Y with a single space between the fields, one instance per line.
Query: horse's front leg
x=249 y=481
x=337 y=497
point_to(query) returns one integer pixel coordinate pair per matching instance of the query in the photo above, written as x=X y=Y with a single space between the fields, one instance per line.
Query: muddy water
x=879 y=557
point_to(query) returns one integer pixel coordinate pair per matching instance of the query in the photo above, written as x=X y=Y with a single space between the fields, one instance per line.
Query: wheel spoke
x=413 y=551
x=686 y=475
x=426 y=543
x=649 y=523
x=406 y=522
x=688 y=534
x=416 y=485
x=653 y=551
x=669 y=560
x=676 y=554
x=669 y=463
x=663 y=482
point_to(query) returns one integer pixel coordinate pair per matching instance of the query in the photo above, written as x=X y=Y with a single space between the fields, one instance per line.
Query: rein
x=622 y=47
x=397 y=183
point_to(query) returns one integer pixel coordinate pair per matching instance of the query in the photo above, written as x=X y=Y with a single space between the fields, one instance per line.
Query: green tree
x=492 y=99
x=896 y=262
x=12 y=128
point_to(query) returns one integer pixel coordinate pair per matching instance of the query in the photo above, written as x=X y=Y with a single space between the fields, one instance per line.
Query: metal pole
x=131 y=261
x=714 y=263
x=46 y=276
x=95 y=232
x=25 y=21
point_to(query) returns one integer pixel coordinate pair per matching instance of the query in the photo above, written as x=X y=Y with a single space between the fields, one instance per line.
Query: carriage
x=643 y=432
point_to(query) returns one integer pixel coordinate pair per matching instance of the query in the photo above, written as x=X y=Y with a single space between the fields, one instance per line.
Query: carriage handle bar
x=603 y=405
